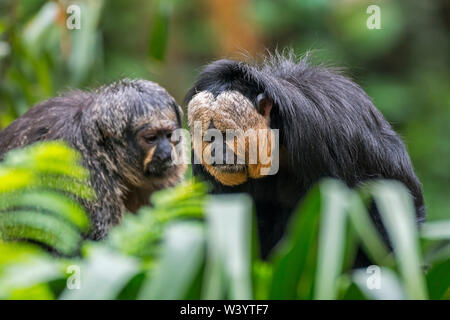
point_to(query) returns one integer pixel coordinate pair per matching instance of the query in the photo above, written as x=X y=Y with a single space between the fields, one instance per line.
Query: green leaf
x=379 y=283
x=436 y=252
x=181 y=259
x=49 y=201
x=44 y=228
x=40 y=291
x=84 y=41
x=436 y=230
x=262 y=278
x=139 y=234
x=398 y=214
x=103 y=275
x=176 y=196
x=331 y=238
x=228 y=268
x=371 y=240
x=23 y=267
x=41 y=22
x=14 y=179
x=51 y=165
x=438 y=280
x=292 y=258
x=25 y=276
x=54 y=157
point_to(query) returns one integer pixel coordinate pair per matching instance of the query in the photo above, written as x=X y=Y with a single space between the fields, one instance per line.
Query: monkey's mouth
x=228 y=162
x=159 y=170
x=229 y=168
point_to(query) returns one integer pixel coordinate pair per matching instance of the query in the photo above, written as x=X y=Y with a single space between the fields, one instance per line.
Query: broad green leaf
x=262 y=278
x=44 y=228
x=78 y=188
x=40 y=291
x=104 y=274
x=13 y=252
x=398 y=215
x=13 y=179
x=379 y=283
x=436 y=230
x=181 y=258
x=370 y=238
x=139 y=234
x=54 y=157
x=24 y=267
x=294 y=255
x=27 y=275
x=228 y=268
x=348 y=290
x=39 y=25
x=438 y=280
x=49 y=165
x=351 y=246
x=176 y=196
x=84 y=41
x=436 y=252
x=333 y=218
x=49 y=201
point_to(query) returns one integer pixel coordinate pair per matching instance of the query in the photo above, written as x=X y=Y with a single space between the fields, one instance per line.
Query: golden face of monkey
x=245 y=131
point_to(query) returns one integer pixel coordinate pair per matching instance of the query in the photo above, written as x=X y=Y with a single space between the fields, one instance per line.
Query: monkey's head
x=132 y=126
x=231 y=134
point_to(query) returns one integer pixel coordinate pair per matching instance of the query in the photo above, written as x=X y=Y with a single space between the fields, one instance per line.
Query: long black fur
x=329 y=127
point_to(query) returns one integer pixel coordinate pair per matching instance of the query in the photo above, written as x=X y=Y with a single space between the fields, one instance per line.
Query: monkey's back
x=53 y=119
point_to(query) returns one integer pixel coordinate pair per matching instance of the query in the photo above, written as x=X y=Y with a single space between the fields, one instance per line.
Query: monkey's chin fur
x=234 y=177
x=226 y=176
x=233 y=174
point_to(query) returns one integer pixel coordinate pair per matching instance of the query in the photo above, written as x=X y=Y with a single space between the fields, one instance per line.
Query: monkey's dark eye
x=169 y=135
x=151 y=139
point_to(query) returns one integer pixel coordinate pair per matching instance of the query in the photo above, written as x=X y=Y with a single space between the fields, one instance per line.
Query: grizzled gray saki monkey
x=328 y=127
x=124 y=133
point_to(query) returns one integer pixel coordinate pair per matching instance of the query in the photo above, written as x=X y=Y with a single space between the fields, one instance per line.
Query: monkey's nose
x=163 y=154
x=163 y=157
x=211 y=125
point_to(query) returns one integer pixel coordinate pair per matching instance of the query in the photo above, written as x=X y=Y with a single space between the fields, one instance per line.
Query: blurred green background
x=404 y=66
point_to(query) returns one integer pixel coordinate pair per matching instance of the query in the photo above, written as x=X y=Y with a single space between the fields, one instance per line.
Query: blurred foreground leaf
x=34 y=204
x=102 y=266
x=295 y=256
x=228 y=266
x=181 y=258
x=398 y=214
x=331 y=238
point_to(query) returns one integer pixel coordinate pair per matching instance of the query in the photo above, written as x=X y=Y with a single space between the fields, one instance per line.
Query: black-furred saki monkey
x=328 y=127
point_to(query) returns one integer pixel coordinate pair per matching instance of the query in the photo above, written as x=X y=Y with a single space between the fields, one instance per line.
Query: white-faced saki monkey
x=327 y=125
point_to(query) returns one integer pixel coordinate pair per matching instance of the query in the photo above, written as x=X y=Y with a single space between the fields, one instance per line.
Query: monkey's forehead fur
x=229 y=110
x=132 y=103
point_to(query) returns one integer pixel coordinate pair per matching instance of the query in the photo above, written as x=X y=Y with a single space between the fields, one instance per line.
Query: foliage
x=34 y=201
x=190 y=245
x=169 y=251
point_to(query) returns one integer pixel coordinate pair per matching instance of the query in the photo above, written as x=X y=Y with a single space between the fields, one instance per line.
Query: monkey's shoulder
x=52 y=119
